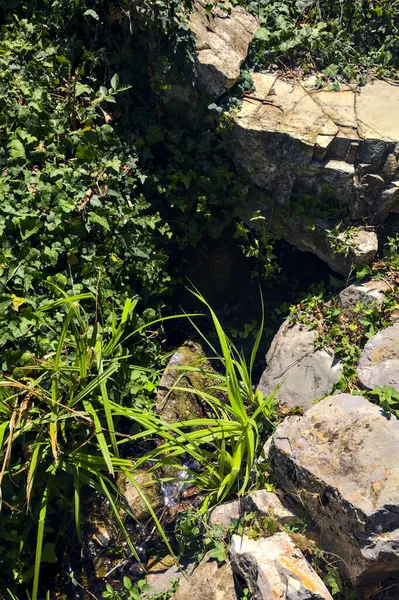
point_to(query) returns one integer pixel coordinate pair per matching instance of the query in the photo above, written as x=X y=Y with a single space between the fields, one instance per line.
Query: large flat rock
x=284 y=128
x=303 y=373
x=335 y=150
x=379 y=361
x=340 y=461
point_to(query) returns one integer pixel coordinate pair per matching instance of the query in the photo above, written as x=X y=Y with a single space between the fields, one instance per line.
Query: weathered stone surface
x=208 y=582
x=368 y=293
x=274 y=568
x=304 y=373
x=379 y=361
x=356 y=246
x=363 y=246
x=268 y=504
x=336 y=147
x=222 y=40
x=339 y=461
x=176 y=405
x=261 y=502
x=163 y=572
x=150 y=487
x=225 y=513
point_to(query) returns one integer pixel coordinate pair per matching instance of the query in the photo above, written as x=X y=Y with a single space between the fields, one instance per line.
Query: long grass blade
x=40 y=536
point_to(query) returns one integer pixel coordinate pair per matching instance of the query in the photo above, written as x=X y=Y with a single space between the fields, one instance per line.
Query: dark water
x=224 y=276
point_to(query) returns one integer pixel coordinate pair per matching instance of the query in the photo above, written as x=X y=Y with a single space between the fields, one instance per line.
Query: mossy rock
x=177 y=405
x=149 y=486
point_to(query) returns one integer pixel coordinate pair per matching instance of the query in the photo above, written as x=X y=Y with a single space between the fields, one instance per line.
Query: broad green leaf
x=99 y=220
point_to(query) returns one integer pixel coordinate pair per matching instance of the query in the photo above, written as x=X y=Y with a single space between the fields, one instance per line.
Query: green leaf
x=99 y=220
x=28 y=225
x=218 y=552
x=91 y=13
x=333 y=580
x=16 y=149
x=154 y=135
x=262 y=34
x=48 y=554
x=86 y=153
x=115 y=82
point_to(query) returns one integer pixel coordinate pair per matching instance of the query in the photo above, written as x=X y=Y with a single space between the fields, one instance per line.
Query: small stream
x=234 y=296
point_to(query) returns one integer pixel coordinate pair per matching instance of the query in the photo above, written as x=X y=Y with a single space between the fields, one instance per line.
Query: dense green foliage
x=95 y=178
x=345 y=38
x=102 y=187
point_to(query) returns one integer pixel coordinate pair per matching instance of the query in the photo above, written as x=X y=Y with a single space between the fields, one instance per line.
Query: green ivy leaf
x=28 y=225
x=218 y=552
x=262 y=34
x=48 y=554
x=16 y=149
x=99 y=220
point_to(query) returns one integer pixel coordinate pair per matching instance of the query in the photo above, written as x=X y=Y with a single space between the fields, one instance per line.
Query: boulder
x=222 y=39
x=338 y=460
x=261 y=502
x=209 y=581
x=303 y=373
x=368 y=293
x=314 y=152
x=176 y=405
x=273 y=567
x=379 y=361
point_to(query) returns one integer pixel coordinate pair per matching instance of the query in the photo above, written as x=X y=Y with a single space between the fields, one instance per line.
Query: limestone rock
x=333 y=149
x=274 y=568
x=225 y=513
x=176 y=405
x=368 y=293
x=261 y=502
x=339 y=461
x=379 y=361
x=304 y=373
x=222 y=40
x=268 y=504
x=208 y=582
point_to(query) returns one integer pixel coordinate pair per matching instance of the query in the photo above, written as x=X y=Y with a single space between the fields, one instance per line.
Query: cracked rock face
x=207 y=582
x=379 y=361
x=274 y=568
x=304 y=373
x=340 y=149
x=222 y=40
x=290 y=132
x=339 y=460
